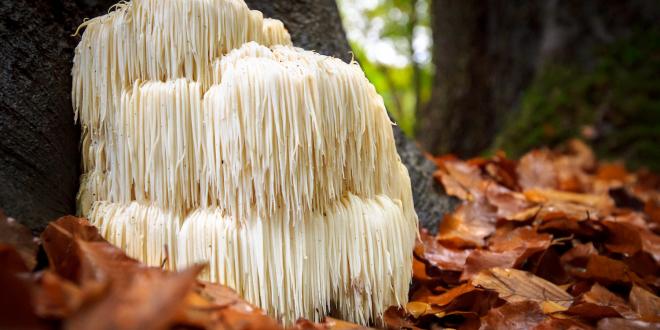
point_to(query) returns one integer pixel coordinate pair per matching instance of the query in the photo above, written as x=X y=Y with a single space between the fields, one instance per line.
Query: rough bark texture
x=483 y=58
x=39 y=157
x=39 y=153
x=486 y=52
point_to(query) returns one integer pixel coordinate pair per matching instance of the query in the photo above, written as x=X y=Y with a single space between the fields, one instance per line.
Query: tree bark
x=482 y=57
x=39 y=150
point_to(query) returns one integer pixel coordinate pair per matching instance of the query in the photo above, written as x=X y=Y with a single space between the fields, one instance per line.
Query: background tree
x=531 y=73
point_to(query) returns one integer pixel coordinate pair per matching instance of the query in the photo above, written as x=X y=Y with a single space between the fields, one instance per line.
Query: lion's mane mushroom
x=208 y=138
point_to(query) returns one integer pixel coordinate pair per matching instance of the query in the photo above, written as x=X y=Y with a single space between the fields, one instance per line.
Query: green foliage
x=616 y=103
x=396 y=87
x=393 y=22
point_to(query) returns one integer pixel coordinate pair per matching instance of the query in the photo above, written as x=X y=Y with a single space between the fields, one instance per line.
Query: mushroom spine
x=207 y=137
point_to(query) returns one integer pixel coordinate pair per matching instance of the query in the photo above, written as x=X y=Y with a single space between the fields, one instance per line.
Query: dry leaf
x=516 y=285
x=645 y=303
x=623 y=324
x=468 y=226
x=521 y=315
x=20 y=237
x=599 y=303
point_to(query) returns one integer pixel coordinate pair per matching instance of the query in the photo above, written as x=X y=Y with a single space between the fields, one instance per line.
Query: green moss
x=619 y=97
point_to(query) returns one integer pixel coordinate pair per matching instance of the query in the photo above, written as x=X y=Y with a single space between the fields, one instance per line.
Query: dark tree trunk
x=39 y=156
x=39 y=152
x=486 y=53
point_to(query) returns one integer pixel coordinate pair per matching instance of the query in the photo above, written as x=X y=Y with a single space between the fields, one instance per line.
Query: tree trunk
x=39 y=149
x=486 y=53
x=482 y=58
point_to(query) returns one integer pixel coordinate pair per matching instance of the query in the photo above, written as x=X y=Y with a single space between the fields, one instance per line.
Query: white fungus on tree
x=207 y=137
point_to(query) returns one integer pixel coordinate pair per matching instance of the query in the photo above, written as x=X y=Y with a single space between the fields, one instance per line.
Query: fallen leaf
x=416 y=308
x=480 y=260
x=612 y=172
x=16 y=309
x=20 y=237
x=522 y=237
x=623 y=324
x=214 y=306
x=622 y=238
x=447 y=297
x=516 y=285
x=507 y=250
x=604 y=270
x=599 y=303
x=59 y=242
x=468 y=226
x=502 y=170
x=462 y=179
x=149 y=299
x=54 y=297
x=510 y=204
x=443 y=257
x=645 y=303
x=395 y=318
x=536 y=169
x=521 y=315
x=602 y=202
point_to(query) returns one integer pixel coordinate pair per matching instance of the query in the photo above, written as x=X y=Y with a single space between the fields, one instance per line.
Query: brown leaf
x=328 y=324
x=516 y=285
x=468 y=226
x=461 y=179
x=601 y=202
x=150 y=299
x=521 y=315
x=395 y=318
x=604 y=270
x=16 y=310
x=622 y=238
x=652 y=209
x=553 y=323
x=20 y=237
x=55 y=297
x=480 y=260
x=536 y=169
x=599 y=303
x=522 y=237
x=214 y=306
x=443 y=257
x=623 y=324
x=449 y=296
x=59 y=241
x=502 y=171
x=612 y=172
x=645 y=303
x=510 y=204
x=508 y=250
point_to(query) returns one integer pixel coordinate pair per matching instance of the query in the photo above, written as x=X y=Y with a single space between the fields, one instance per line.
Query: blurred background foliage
x=546 y=71
x=391 y=39
x=615 y=104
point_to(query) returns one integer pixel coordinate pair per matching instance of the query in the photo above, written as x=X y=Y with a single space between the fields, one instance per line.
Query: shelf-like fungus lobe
x=207 y=137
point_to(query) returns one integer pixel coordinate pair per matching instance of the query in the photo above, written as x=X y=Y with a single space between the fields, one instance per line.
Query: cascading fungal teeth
x=209 y=138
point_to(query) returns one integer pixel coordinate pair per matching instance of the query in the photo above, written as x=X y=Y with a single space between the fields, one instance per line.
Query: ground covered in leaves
x=554 y=240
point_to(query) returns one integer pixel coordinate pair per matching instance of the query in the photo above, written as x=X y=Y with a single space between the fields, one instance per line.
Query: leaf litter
x=555 y=240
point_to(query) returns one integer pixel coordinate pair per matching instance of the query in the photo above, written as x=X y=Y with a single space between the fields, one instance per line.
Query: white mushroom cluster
x=207 y=137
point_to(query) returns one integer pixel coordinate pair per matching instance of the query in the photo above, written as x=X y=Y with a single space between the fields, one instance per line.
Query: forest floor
x=555 y=240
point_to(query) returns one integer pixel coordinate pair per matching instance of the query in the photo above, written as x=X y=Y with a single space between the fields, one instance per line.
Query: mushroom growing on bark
x=207 y=137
